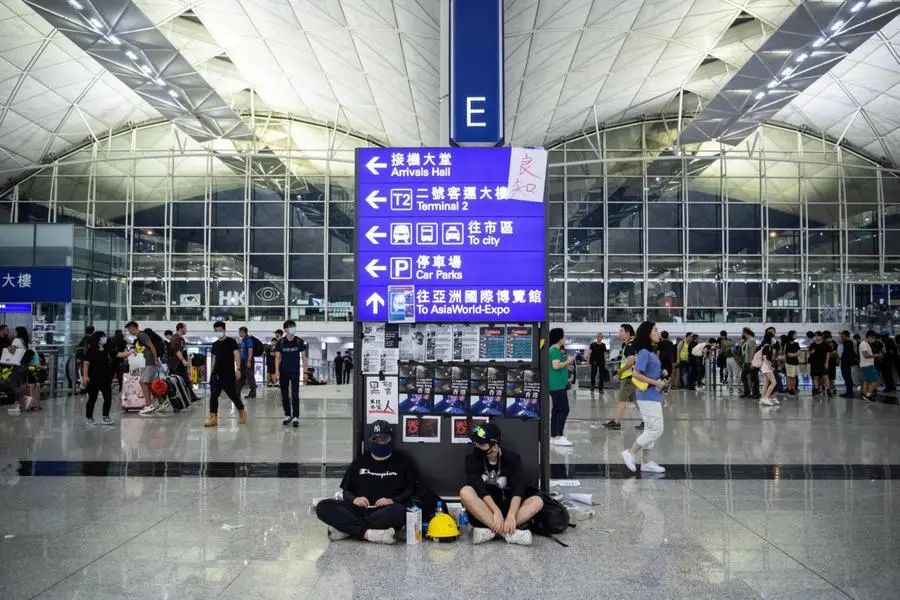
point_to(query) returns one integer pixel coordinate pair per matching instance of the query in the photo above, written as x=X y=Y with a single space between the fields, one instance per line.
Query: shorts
x=149 y=374
x=870 y=374
x=626 y=391
x=792 y=370
x=818 y=371
x=502 y=503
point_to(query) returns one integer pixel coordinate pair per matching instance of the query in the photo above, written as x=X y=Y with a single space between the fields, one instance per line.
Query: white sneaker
x=481 y=535
x=107 y=422
x=522 y=537
x=628 y=457
x=765 y=402
x=776 y=401
x=28 y=400
x=89 y=422
x=14 y=411
x=563 y=441
x=148 y=410
x=335 y=536
x=164 y=406
x=652 y=467
x=381 y=536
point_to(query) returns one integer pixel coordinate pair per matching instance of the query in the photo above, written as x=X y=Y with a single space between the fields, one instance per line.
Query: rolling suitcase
x=132 y=395
x=179 y=395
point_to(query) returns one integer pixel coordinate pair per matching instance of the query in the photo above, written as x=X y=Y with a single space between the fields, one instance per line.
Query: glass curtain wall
x=783 y=227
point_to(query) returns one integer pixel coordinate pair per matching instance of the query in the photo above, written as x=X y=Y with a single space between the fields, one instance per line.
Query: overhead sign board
x=476 y=72
x=451 y=234
x=35 y=284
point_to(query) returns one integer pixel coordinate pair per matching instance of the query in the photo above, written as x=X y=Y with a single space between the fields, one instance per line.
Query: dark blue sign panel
x=451 y=234
x=476 y=72
x=35 y=284
x=19 y=307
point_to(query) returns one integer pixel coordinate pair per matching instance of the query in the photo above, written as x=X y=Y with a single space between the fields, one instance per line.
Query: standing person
x=376 y=488
x=819 y=354
x=889 y=350
x=5 y=340
x=792 y=362
x=667 y=355
x=248 y=372
x=559 y=382
x=626 y=388
x=749 y=373
x=178 y=359
x=833 y=359
x=118 y=351
x=226 y=372
x=867 y=357
x=144 y=344
x=699 y=354
x=31 y=389
x=732 y=366
x=768 y=371
x=684 y=361
x=648 y=370
x=271 y=349
x=97 y=376
x=725 y=344
x=849 y=359
x=291 y=358
x=348 y=367
x=339 y=368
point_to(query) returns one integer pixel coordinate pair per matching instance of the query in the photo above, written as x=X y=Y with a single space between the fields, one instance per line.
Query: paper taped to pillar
x=381 y=400
x=477 y=73
x=451 y=235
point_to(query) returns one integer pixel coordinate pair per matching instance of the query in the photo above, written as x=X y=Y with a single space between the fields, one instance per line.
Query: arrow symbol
x=373 y=199
x=374 y=301
x=373 y=165
x=373 y=234
x=373 y=268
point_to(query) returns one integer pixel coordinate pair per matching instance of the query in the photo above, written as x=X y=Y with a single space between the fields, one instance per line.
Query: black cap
x=485 y=433
x=381 y=427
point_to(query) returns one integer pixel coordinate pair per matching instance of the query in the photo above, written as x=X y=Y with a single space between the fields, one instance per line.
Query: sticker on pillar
x=422 y=429
x=462 y=432
x=523 y=393
x=447 y=400
x=401 y=304
x=486 y=390
x=382 y=400
x=416 y=388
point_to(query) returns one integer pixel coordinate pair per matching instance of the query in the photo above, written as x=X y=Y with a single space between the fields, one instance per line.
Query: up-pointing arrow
x=373 y=235
x=374 y=164
x=373 y=268
x=374 y=301
x=373 y=199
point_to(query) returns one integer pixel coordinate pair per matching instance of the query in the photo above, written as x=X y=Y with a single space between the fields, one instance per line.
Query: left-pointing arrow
x=373 y=235
x=373 y=199
x=374 y=164
x=373 y=268
x=375 y=301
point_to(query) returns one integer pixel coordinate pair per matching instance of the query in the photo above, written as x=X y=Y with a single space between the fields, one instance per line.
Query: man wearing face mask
x=376 y=488
x=494 y=493
x=291 y=362
x=226 y=371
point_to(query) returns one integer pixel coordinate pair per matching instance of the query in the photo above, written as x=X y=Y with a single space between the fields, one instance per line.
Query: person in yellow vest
x=684 y=362
x=624 y=372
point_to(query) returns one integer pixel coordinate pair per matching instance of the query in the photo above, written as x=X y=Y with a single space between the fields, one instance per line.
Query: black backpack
x=552 y=519
x=258 y=348
x=157 y=342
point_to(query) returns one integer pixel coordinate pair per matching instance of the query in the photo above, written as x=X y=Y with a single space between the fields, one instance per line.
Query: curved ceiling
x=372 y=68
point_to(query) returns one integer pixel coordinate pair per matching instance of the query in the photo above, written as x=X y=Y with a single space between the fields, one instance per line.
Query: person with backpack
x=250 y=349
x=495 y=495
x=151 y=347
x=31 y=389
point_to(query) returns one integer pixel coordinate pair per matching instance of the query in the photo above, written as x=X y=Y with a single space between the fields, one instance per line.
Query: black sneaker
x=613 y=425
x=295 y=423
x=868 y=398
x=286 y=420
x=847 y=396
x=639 y=426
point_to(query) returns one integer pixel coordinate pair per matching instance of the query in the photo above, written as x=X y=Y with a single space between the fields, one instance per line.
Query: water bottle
x=463 y=523
x=440 y=508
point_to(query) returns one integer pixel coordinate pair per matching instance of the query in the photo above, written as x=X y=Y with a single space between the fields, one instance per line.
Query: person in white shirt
x=867 y=366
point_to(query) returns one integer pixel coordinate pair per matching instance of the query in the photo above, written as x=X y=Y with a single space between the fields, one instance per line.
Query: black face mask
x=481 y=454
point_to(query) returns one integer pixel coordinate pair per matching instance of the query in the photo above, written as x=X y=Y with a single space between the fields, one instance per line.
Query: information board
x=451 y=234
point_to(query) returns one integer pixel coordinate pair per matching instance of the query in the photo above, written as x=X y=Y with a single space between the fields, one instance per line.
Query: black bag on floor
x=179 y=396
x=552 y=519
x=7 y=394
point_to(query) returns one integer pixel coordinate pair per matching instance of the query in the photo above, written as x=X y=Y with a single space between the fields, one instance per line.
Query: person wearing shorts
x=867 y=366
x=150 y=372
x=626 y=388
x=792 y=362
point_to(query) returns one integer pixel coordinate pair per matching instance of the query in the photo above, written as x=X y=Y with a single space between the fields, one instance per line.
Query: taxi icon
x=452 y=233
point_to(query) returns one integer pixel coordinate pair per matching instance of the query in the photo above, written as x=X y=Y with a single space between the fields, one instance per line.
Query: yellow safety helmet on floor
x=442 y=528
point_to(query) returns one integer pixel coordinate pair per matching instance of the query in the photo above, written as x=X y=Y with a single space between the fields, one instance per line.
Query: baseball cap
x=380 y=427
x=485 y=433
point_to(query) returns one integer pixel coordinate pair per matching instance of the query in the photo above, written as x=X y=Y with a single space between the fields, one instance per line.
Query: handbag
x=640 y=385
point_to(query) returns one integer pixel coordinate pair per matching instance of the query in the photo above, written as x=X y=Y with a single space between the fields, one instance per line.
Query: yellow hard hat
x=442 y=528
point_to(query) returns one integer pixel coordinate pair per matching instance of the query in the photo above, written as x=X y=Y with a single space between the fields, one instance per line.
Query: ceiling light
x=760 y=95
x=76 y=4
x=838 y=25
x=147 y=70
x=787 y=72
x=802 y=57
x=858 y=7
x=160 y=82
x=772 y=84
x=114 y=40
x=173 y=93
x=819 y=42
x=131 y=55
x=95 y=23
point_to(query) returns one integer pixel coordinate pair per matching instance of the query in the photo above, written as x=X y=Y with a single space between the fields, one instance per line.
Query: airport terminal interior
x=184 y=182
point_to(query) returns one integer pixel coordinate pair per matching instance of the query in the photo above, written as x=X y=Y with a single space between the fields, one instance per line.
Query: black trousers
x=348 y=375
x=847 y=374
x=750 y=377
x=595 y=370
x=355 y=521
x=219 y=385
x=339 y=375
x=559 y=412
x=290 y=394
x=93 y=390
x=887 y=375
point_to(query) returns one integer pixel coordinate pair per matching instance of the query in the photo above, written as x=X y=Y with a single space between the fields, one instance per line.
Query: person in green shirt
x=559 y=382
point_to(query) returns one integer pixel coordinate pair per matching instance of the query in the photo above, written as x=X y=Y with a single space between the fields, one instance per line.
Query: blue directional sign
x=35 y=284
x=451 y=234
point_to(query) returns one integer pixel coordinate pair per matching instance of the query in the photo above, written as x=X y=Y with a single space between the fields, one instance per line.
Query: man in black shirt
x=376 y=488
x=5 y=342
x=291 y=362
x=792 y=362
x=667 y=354
x=494 y=493
x=226 y=371
x=597 y=359
x=339 y=368
x=819 y=355
x=849 y=359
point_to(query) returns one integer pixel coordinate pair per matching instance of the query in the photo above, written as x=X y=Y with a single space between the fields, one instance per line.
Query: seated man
x=495 y=492
x=376 y=488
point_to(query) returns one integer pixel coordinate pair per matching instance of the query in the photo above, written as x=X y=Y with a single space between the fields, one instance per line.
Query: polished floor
x=796 y=503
